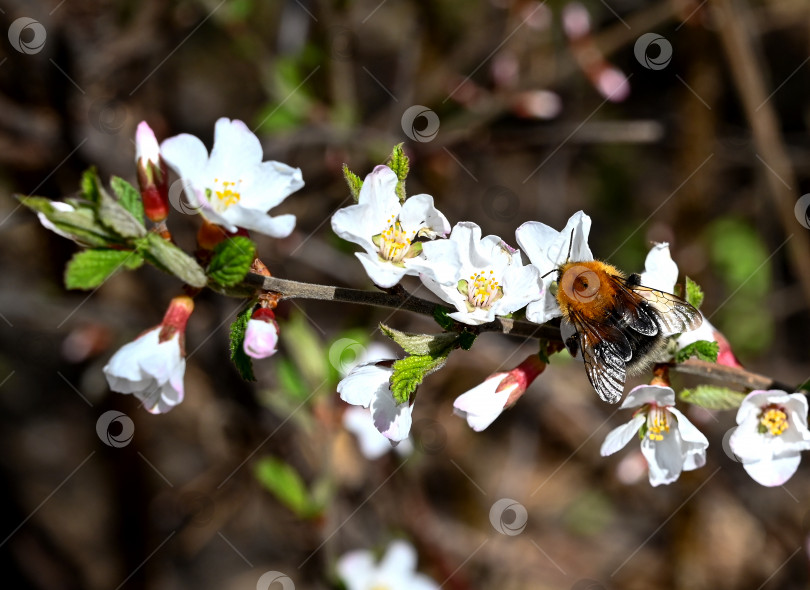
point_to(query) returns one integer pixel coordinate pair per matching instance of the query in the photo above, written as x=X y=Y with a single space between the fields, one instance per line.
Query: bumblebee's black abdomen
x=644 y=346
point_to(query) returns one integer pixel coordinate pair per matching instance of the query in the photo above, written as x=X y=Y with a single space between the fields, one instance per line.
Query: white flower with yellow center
x=490 y=278
x=389 y=231
x=771 y=433
x=396 y=570
x=233 y=187
x=669 y=441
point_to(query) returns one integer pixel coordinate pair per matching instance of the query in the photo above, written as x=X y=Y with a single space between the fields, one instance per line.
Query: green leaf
x=432 y=344
x=291 y=380
x=113 y=215
x=410 y=371
x=90 y=185
x=306 y=349
x=694 y=294
x=355 y=182
x=129 y=197
x=171 y=259
x=81 y=224
x=236 y=339
x=466 y=339
x=712 y=397
x=400 y=164
x=231 y=261
x=284 y=482
x=703 y=350
x=90 y=268
x=441 y=317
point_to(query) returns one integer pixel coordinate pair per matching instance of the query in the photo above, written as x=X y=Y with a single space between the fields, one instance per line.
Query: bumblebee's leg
x=572 y=344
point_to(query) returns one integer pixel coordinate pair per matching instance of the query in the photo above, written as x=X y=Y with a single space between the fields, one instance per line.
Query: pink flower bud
x=261 y=335
x=152 y=174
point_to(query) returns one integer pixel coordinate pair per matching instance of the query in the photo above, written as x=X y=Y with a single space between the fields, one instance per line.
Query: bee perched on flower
x=618 y=325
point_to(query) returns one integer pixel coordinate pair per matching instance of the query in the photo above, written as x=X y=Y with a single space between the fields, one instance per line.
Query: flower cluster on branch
x=615 y=324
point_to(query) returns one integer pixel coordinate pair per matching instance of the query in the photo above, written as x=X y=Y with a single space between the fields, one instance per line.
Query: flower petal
x=188 y=157
x=363 y=384
x=481 y=405
x=664 y=458
x=261 y=339
x=773 y=472
x=419 y=213
x=399 y=561
x=393 y=420
x=359 y=422
x=356 y=569
x=618 y=438
x=649 y=394
x=660 y=271
x=236 y=148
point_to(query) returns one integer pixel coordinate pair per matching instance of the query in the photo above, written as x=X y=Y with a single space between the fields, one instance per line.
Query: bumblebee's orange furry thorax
x=586 y=288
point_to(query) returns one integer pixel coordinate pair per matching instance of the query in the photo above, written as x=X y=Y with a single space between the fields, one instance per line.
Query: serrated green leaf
x=112 y=215
x=420 y=344
x=284 y=482
x=410 y=371
x=355 y=182
x=171 y=259
x=712 y=397
x=231 y=261
x=236 y=340
x=129 y=197
x=90 y=268
x=304 y=346
x=694 y=294
x=400 y=164
x=702 y=349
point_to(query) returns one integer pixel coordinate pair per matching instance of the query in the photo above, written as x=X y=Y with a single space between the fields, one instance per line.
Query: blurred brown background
x=709 y=152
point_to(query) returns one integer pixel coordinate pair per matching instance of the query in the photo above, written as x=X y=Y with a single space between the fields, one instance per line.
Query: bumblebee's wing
x=632 y=309
x=674 y=314
x=605 y=351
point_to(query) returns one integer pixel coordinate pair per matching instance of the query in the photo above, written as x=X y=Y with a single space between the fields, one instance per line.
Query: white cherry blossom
x=388 y=230
x=395 y=571
x=233 y=187
x=670 y=442
x=490 y=278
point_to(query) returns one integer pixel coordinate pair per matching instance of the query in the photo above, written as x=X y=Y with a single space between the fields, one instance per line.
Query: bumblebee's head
x=578 y=283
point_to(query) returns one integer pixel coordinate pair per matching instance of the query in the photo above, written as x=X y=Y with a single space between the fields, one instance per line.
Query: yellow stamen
x=483 y=291
x=657 y=423
x=774 y=420
x=227 y=195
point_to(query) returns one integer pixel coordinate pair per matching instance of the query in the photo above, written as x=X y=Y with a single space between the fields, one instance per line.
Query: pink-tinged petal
x=613 y=84
x=188 y=157
x=236 y=148
x=419 y=213
x=356 y=569
x=146 y=144
x=364 y=384
x=261 y=339
x=618 y=438
x=481 y=405
x=393 y=420
x=774 y=472
x=660 y=271
x=649 y=394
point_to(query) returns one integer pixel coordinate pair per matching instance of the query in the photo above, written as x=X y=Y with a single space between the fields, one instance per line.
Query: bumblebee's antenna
x=570 y=245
